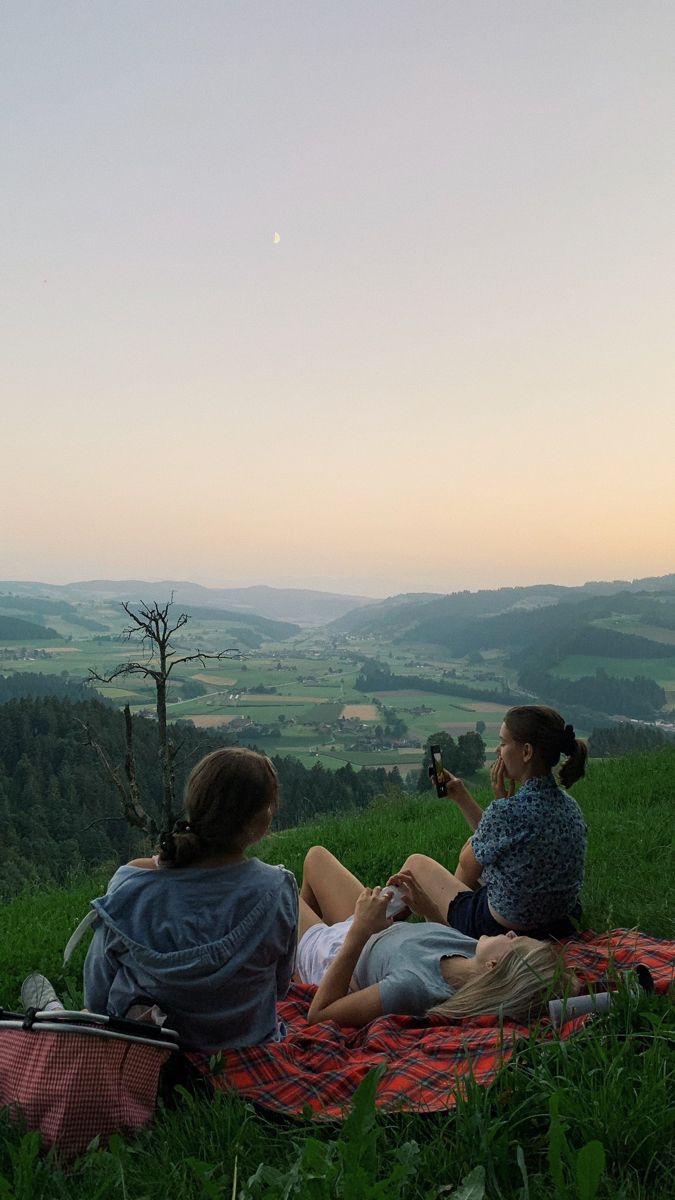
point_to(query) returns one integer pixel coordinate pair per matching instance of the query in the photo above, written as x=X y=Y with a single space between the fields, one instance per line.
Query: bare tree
x=127 y=786
x=155 y=626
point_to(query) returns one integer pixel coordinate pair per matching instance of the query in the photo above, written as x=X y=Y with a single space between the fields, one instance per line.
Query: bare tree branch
x=182 y=620
x=130 y=768
x=98 y=822
x=130 y=668
x=151 y=622
x=138 y=668
x=132 y=809
x=201 y=656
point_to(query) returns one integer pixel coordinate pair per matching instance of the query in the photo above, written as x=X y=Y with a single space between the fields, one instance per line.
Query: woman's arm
x=462 y=797
x=468 y=869
x=356 y=1010
x=331 y=1001
x=289 y=922
x=99 y=972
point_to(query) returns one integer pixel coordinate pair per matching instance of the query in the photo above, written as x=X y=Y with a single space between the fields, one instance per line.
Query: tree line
x=593 y=694
x=627 y=738
x=16 y=629
x=35 y=683
x=462 y=757
x=60 y=814
x=376 y=676
x=599 y=693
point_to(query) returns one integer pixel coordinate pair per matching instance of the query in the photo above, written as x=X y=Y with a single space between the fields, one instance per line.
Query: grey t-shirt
x=406 y=962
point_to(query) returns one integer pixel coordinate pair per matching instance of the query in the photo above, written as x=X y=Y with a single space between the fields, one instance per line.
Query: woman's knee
x=316 y=859
x=418 y=862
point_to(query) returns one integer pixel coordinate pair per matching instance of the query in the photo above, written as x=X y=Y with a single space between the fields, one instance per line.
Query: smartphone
x=436 y=770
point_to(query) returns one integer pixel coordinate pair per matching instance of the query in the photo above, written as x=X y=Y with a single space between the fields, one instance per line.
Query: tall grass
x=592 y=1116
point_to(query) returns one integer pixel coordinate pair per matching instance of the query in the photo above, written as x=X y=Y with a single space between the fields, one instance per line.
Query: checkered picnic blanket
x=74 y=1085
x=428 y=1058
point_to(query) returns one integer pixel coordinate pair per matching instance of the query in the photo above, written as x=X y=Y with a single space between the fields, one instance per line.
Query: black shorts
x=469 y=913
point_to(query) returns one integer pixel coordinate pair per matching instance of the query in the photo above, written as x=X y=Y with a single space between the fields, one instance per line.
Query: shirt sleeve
x=289 y=927
x=99 y=973
x=499 y=830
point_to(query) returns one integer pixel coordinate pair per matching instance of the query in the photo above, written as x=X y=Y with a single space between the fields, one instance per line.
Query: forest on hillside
x=59 y=811
x=583 y=698
x=620 y=642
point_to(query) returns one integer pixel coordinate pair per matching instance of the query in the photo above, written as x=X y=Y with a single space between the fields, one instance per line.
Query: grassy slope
x=611 y=1081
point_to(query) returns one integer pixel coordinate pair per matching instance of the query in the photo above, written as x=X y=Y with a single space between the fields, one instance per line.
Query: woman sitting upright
x=528 y=847
x=202 y=931
x=365 y=965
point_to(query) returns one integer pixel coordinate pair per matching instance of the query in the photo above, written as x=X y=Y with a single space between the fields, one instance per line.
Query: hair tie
x=167 y=835
x=569 y=740
x=182 y=827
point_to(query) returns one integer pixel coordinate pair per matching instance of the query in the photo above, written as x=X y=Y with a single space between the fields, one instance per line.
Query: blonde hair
x=520 y=983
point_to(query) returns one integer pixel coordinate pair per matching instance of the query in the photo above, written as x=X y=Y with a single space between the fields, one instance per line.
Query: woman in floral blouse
x=523 y=866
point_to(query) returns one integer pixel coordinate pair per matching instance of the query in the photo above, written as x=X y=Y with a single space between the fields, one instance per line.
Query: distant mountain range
x=285 y=604
x=601 y=652
x=396 y=616
x=430 y=617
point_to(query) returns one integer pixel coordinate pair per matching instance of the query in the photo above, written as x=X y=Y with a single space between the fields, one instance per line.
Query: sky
x=368 y=296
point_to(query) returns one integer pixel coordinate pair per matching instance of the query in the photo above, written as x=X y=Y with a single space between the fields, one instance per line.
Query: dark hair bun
x=569 y=741
x=180 y=845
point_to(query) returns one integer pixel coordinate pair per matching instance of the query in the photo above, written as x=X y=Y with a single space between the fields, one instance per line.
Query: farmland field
x=211 y=722
x=361 y=712
x=655 y=633
x=214 y=678
x=298 y=696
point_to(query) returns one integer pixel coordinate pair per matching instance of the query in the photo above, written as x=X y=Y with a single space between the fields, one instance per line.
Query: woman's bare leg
x=306 y=918
x=439 y=885
x=328 y=888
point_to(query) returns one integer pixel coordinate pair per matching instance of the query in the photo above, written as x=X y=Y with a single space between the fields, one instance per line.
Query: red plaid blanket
x=428 y=1058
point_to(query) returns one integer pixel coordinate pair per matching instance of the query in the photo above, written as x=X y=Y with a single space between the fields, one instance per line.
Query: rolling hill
x=303 y=605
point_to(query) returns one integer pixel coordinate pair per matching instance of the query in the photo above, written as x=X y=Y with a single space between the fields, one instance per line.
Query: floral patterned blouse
x=532 y=848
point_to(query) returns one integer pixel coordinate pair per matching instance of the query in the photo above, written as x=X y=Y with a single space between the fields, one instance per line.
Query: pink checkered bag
x=75 y=1076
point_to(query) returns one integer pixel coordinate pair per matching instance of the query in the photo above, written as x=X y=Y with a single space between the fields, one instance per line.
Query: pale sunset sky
x=454 y=368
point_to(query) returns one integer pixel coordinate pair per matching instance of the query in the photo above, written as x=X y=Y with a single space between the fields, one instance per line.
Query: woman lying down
x=364 y=964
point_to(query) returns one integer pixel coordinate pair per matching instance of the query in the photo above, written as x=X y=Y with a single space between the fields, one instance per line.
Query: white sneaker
x=38 y=993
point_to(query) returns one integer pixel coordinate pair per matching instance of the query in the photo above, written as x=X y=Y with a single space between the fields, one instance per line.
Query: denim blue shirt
x=213 y=947
x=532 y=848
